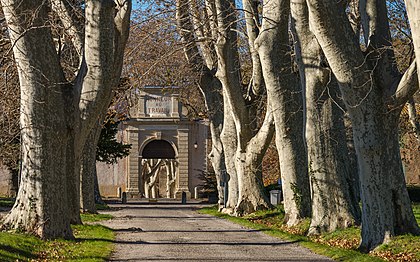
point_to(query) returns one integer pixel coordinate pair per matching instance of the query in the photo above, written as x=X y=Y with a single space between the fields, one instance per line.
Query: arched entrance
x=158 y=149
x=159 y=169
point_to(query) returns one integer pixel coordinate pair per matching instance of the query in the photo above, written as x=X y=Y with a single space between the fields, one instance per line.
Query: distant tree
x=103 y=135
x=109 y=150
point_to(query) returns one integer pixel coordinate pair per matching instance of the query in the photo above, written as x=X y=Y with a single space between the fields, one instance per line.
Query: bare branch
x=261 y=141
x=72 y=24
x=406 y=88
x=99 y=56
x=252 y=28
x=412 y=115
x=121 y=21
x=186 y=29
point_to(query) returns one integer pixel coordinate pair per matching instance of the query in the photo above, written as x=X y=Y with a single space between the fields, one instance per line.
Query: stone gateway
x=168 y=153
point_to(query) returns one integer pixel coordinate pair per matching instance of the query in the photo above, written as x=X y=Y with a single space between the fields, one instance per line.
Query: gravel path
x=174 y=232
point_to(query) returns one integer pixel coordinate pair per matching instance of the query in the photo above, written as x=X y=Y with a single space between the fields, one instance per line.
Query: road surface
x=175 y=232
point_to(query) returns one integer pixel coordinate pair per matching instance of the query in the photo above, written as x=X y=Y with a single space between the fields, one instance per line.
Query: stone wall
x=111 y=179
x=6 y=185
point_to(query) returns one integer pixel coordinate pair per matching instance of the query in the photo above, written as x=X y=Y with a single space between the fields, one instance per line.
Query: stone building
x=168 y=151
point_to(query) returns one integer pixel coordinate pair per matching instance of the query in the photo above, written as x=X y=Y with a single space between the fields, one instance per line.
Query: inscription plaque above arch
x=158 y=149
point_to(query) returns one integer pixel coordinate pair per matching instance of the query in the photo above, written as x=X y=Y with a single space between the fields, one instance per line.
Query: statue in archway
x=151 y=168
x=171 y=166
x=150 y=175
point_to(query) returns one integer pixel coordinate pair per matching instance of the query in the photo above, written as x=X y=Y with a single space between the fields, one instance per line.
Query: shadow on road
x=217 y=243
x=186 y=231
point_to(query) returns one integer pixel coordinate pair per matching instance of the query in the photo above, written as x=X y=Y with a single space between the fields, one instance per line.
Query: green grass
x=102 y=207
x=6 y=201
x=92 y=243
x=340 y=245
x=402 y=248
x=416 y=210
x=94 y=217
x=268 y=222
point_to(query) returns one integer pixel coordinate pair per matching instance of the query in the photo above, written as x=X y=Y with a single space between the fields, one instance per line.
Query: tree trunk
x=218 y=162
x=332 y=203
x=376 y=149
x=88 y=170
x=97 y=193
x=330 y=173
x=413 y=12
x=413 y=118
x=49 y=195
x=403 y=218
x=229 y=140
x=211 y=90
x=73 y=158
x=285 y=96
x=248 y=162
x=209 y=85
x=249 y=141
x=106 y=33
x=41 y=204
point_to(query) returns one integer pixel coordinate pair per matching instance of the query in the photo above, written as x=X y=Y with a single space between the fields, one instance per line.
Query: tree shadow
x=136 y=229
x=16 y=251
x=204 y=243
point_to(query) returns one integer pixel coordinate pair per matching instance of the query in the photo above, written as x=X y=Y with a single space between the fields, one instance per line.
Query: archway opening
x=159 y=170
x=158 y=149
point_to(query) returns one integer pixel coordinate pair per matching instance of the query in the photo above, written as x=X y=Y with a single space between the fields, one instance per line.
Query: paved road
x=174 y=232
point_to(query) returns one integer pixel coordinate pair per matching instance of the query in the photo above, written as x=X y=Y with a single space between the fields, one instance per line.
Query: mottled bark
x=333 y=201
x=88 y=170
x=216 y=155
x=97 y=193
x=386 y=209
x=57 y=116
x=413 y=12
x=106 y=34
x=250 y=143
x=210 y=87
x=41 y=204
x=252 y=20
x=285 y=96
x=229 y=140
x=248 y=165
x=413 y=118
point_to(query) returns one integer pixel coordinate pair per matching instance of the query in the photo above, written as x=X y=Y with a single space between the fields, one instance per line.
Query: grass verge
x=6 y=201
x=92 y=243
x=340 y=245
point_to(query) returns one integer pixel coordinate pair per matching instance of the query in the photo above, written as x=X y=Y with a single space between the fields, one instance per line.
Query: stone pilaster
x=175 y=106
x=133 y=163
x=182 y=180
x=141 y=106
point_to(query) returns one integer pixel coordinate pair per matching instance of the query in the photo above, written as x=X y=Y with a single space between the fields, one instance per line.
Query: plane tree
x=58 y=108
x=374 y=92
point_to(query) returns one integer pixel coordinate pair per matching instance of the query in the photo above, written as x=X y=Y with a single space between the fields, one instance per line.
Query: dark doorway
x=158 y=149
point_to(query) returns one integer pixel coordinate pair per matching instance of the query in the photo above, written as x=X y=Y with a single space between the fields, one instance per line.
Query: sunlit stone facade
x=158 y=129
